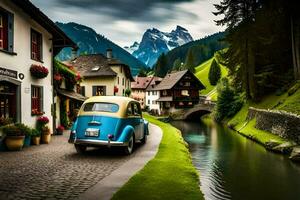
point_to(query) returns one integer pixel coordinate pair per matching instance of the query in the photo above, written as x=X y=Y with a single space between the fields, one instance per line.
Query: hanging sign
x=8 y=72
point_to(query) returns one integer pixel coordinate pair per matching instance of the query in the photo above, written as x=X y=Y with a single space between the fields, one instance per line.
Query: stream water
x=233 y=167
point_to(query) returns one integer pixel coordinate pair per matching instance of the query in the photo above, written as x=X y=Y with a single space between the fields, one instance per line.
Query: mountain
x=90 y=42
x=202 y=50
x=133 y=47
x=156 y=42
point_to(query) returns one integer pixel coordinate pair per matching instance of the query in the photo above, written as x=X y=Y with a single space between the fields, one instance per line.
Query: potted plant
x=46 y=135
x=3 y=122
x=38 y=71
x=26 y=131
x=35 y=137
x=60 y=130
x=14 y=138
x=43 y=129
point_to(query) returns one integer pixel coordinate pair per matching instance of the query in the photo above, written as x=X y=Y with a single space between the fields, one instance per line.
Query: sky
x=125 y=21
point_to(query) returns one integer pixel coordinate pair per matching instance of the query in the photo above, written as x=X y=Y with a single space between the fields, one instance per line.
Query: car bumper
x=89 y=142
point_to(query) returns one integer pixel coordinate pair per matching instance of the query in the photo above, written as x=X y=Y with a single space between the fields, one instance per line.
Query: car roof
x=119 y=100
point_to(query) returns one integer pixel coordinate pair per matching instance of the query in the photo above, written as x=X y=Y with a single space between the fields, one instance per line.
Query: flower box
x=38 y=71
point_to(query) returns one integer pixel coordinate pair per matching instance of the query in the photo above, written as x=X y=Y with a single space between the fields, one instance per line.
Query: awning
x=165 y=99
x=71 y=94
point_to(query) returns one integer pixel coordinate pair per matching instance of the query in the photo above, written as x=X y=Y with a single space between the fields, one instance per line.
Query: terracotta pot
x=46 y=138
x=14 y=143
x=36 y=140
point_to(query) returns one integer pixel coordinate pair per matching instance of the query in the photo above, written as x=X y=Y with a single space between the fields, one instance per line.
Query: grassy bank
x=170 y=175
x=287 y=102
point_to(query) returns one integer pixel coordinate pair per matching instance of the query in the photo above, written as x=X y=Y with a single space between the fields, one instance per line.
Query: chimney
x=109 y=54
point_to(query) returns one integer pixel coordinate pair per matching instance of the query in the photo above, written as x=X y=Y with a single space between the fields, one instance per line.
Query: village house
x=178 y=90
x=152 y=95
x=138 y=89
x=29 y=41
x=102 y=75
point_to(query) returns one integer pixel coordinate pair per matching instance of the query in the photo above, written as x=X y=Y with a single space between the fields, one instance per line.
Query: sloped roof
x=170 y=80
x=141 y=82
x=71 y=94
x=97 y=65
x=154 y=82
x=93 y=65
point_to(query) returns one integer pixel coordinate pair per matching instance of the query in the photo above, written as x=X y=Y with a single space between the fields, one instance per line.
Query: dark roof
x=97 y=65
x=170 y=80
x=94 y=65
x=141 y=82
x=154 y=82
x=71 y=94
x=60 y=39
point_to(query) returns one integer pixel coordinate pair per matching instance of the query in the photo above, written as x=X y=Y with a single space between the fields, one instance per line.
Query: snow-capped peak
x=132 y=48
x=156 y=42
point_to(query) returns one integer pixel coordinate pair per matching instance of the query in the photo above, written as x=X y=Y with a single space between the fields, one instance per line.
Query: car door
x=139 y=125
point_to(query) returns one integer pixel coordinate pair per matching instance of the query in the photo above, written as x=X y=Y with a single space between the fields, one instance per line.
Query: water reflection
x=232 y=167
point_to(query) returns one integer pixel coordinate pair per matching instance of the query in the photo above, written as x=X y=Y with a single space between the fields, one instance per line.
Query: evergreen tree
x=142 y=73
x=177 y=64
x=214 y=74
x=239 y=16
x=190 y=61
x=161 y=66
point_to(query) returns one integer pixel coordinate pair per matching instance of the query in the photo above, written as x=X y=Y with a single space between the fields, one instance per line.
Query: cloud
x=125 y=21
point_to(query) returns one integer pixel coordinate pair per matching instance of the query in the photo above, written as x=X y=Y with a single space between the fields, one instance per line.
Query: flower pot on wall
x=14 y=143
x=38 y=71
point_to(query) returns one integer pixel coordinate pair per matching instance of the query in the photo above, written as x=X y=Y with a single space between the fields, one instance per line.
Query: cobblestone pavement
x=54 y=171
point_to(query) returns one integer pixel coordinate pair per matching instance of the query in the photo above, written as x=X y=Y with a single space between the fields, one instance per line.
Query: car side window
x=129 y=110
x=136 y=110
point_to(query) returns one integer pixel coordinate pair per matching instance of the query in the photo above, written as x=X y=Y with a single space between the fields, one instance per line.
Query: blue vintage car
x=109 y=121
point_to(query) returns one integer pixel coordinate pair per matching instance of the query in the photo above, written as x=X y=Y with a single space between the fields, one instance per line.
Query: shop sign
x=8 y=72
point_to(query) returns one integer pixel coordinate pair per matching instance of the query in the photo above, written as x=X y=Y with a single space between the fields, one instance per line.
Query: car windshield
x=101 y=107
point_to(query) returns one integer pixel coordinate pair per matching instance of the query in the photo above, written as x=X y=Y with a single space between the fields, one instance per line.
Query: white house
x=27 y=38
x=102 y=75
x=152 y=95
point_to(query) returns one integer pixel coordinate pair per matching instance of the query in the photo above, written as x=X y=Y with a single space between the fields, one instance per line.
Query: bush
x=24 y=129
x=214 y=74
x=35 y=133
x=12 y=130
x=229 y=102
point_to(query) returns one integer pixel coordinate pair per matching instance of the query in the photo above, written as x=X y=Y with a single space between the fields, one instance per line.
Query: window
x=99 y=90
x=101 y=107
x=185 y=93
x=123 y=81
x=148 y=92
x=6 y=30
x=136 y=109
x=36 y=45
x=118 y=80
x=165 y=93
x=36 y=99
x=82 y=90
x=153 y=102
x=148 y=101
x=187 y=84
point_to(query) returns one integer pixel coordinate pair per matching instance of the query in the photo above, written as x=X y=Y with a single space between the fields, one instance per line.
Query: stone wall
x=281 y=123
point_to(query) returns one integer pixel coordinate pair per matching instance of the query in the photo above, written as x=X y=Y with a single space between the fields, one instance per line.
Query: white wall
x=22 y=62
x=152 y=96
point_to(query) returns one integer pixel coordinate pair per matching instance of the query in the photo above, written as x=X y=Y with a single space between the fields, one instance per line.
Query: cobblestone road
x=54 y=171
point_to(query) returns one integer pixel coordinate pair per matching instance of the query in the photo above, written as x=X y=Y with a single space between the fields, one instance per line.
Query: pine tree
x=177 y=64
x=214 y=74
x=190 y=61
x=161 y=66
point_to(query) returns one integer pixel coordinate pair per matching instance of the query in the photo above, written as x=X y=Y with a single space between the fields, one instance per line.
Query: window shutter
x=94 y=90
x=83 y=90
x=41 y=99
x=10 y=32
x=104 y=90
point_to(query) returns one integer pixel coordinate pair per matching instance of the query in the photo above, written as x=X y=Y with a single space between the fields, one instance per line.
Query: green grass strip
x=170 y=175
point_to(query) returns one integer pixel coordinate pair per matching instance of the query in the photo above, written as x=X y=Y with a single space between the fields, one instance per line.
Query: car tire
x=80 y=148
x=144 y=139
x=130 y=147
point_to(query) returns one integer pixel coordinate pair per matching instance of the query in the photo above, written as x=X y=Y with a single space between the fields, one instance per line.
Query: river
x=233 y=167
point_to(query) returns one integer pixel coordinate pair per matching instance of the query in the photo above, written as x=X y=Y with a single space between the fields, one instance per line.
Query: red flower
x=39 y=71
x=43 y=120
x=57 y=77
x=60 y=128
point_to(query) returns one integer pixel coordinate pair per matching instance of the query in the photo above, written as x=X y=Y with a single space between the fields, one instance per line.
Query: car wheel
x=129 y=148
x=144 y=139
x=80 y=148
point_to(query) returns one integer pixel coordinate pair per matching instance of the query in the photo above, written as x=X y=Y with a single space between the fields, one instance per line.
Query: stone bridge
x=203 y=107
